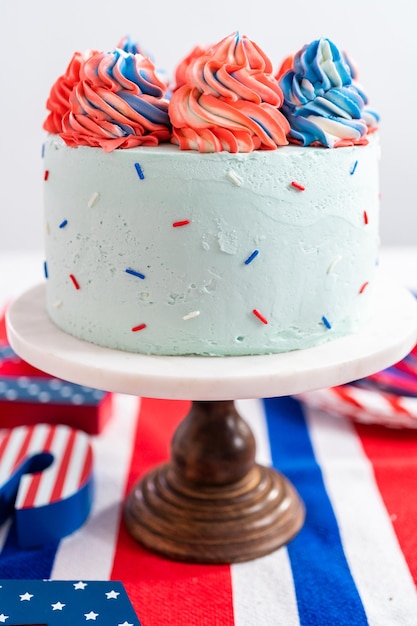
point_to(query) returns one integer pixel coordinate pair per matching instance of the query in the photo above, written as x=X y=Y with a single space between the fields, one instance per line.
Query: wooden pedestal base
x=212 y=503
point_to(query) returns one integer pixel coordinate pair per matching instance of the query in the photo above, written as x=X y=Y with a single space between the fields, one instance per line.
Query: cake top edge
x=224 y=97
x=54 y=142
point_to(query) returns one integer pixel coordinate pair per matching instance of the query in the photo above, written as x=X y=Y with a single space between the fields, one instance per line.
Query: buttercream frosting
x=228 y=99
x=110 y=100
x=322 y=102
x=163 y=251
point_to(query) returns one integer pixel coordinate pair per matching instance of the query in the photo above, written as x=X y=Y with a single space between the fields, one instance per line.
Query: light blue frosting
x=249 y=241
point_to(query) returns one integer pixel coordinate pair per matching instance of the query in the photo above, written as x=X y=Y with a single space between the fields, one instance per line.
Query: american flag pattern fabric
x=65 y=603
x=353 y=563
x=400 y=379
x=388 y=397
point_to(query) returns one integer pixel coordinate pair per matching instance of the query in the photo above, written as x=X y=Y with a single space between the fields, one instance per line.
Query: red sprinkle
x=140 y=327
x=297 y=186
x=364 y=286
x=46 y=174
x=365 y=217
x=74 y=281
x=260 y=316
x=181 y=223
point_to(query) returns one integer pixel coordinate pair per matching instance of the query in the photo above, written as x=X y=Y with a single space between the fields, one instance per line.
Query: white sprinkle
x=93 y=199
x=236 y=180
x=47 y=228
x=57 y=304
x=191 y=315
x=333 y=264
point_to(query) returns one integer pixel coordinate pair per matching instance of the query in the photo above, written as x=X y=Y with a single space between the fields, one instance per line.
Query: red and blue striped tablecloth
x=353 y=563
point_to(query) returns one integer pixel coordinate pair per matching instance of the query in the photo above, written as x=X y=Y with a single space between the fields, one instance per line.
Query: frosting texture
x=127 y=44
x=109 y=100
x=322 y=102
x=224 y=98
x=370 y=116
x=210 y=254
x=58 y=101
x=228 y=99
x=181 y=69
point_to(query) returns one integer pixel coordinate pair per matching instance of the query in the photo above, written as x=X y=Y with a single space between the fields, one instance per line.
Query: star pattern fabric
x=65 y=603
x=26 y=596
x=80 y=585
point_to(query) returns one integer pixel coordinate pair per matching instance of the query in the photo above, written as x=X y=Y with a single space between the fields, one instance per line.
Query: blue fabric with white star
x=48 y=390
x=65 y=603
x=43 y=389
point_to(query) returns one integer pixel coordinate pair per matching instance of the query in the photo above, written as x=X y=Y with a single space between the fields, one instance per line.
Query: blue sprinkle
x=139 y=171
x=63 y=224
x=43 y=150
x=251 y=257
x=45 y=269
x=326 y=322
x=352 y=171
x=134 y=273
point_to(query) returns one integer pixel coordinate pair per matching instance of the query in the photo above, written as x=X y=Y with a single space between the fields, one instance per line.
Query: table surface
x=352 y=563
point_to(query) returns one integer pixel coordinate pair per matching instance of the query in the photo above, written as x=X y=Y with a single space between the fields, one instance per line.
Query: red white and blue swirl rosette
x=387 y=398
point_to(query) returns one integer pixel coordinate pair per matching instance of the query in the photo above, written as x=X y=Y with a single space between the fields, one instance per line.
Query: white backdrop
x=38 y=38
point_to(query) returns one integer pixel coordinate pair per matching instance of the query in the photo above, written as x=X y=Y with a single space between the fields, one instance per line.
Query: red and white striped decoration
x=364 y=405
x=69 y=470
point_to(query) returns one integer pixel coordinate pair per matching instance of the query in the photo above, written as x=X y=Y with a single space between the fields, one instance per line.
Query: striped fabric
x=367 y=405
x=353 y=563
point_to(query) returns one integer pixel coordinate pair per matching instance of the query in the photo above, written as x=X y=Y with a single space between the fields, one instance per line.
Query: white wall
x=38 y=38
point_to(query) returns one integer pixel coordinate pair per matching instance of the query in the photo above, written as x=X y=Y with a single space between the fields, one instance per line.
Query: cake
x=232 y=213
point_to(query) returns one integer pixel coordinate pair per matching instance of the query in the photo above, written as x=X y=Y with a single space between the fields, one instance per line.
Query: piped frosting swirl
x=321 y=101
x=228 y=99
x=111 y=100
x=58 y=101
x=225 y=98
x=370 y=116
x=181 y=69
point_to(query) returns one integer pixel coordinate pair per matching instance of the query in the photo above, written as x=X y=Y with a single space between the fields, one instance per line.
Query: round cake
x=181 y=238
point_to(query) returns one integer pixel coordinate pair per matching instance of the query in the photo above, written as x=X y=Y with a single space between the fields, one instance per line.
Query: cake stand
x=212 y=503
